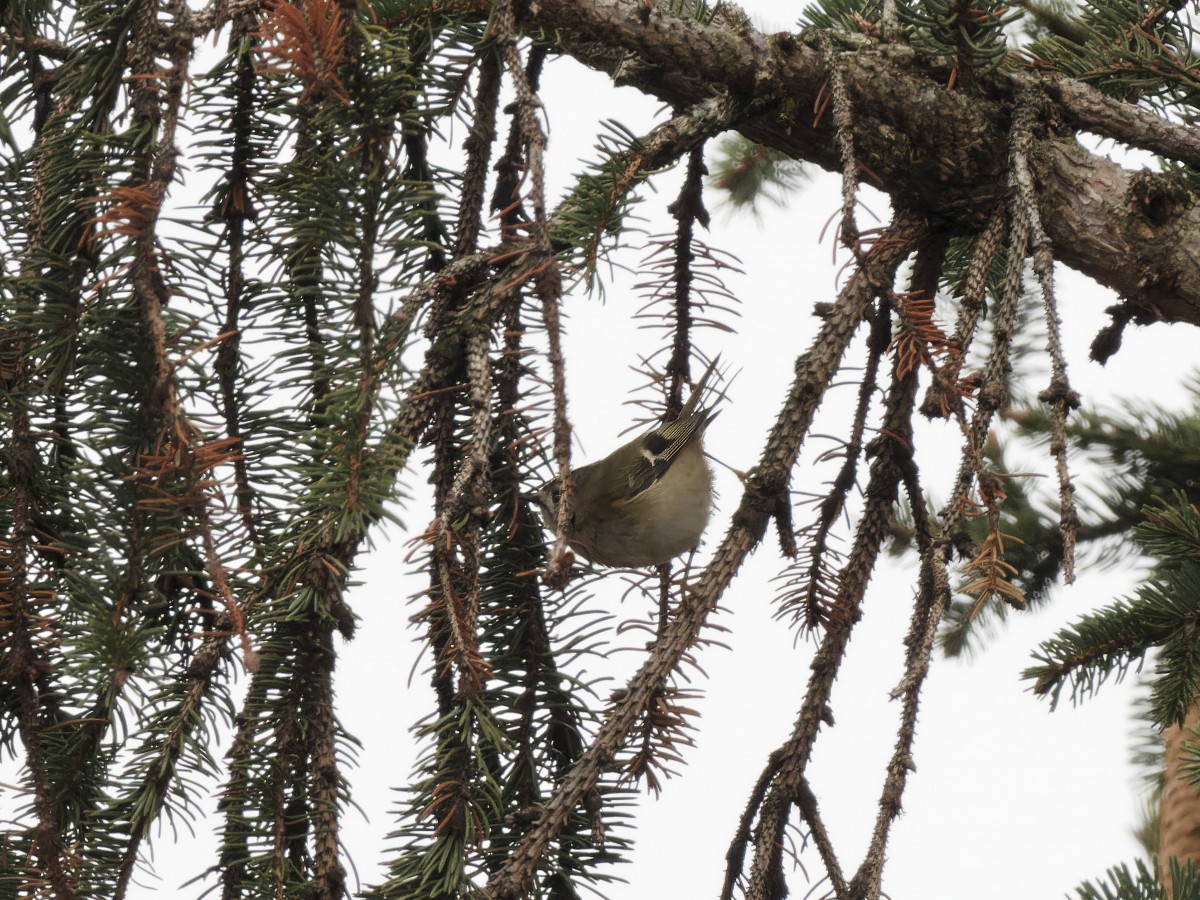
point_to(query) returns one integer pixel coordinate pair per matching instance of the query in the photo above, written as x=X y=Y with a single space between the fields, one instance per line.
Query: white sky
x=1008 y=800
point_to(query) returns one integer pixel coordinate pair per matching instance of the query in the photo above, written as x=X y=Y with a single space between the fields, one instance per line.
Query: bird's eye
x=555 y=494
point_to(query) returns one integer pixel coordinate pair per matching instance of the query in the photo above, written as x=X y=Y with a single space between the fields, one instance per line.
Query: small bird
x=646 y=502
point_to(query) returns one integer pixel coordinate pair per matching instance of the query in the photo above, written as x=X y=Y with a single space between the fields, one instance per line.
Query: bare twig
x=547 y=279
x=1059 y=395
x=478 y=147
x=688 y=209
x=816 y=594
x=843 y=124
x=890 y=449
x=764 y=485
x=932 y=597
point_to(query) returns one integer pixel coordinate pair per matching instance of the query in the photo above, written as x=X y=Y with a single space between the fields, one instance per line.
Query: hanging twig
x=764 y=485
x=1059 y=395
x=25 y=667
x=815 y=593
x=547 y=279
x=466 y=498
x=843 y=125
x=930 y=602
x=478 y=147
x=688 y=209
x=235 y=208
x=987 y=568
x=944 y=397
x=993 y=389
x=460 y=501
x=893 y=444
x=892 y=456
x=510 y=167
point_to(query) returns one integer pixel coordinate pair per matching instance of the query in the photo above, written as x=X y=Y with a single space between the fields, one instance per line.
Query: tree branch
x=763 y=486
x=935 y=150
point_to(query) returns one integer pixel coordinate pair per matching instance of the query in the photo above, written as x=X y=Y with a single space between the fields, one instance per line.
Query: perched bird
x=646 y=502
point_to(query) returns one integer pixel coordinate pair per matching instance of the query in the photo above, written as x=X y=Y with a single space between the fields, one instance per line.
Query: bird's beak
x=531 y=498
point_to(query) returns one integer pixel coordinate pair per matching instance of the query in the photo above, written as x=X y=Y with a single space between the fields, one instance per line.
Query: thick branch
x=1136 y=233
x=935 y=150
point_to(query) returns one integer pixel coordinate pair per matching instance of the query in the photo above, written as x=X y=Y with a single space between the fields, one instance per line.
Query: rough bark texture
x=1179 y=818
x=935 y=150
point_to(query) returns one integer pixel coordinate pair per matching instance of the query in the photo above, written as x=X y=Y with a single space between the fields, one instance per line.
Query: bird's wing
x=660 y=446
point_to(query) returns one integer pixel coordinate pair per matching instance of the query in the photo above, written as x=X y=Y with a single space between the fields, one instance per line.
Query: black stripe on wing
x=660 y=448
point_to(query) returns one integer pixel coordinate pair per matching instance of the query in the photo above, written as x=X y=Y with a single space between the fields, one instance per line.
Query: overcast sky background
x=1008 y=800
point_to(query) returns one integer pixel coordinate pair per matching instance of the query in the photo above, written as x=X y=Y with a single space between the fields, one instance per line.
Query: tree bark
x=938 y=151
x=1179 y=815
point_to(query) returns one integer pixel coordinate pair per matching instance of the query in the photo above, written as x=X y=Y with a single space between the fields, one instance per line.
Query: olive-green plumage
x=646 y=502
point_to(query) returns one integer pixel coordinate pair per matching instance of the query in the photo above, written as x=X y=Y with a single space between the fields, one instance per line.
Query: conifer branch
x=1097 y=231
x=1060 y=397
x=688 y=210
x=478 y=147
x=1114 y=639
x=461 y=509
x=140 y=207
x=946 y=390
x=172 y=461
x=507 y=201
x=815 y=590
x=328 y=787
x=810 y=813
x=993 y=389
x=764 y=486
x=931 y=600
x=1090 y=110
x=892 y=463
x=125 y=343
x=929 y=603
x=976 y=487
x=547 y=280
x=1054 y=19
x=766 y=871
x=893 y=445
x=235 y=207
x=417 y=168
x=25 y=666
x=736 y=854
x=843 y=125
